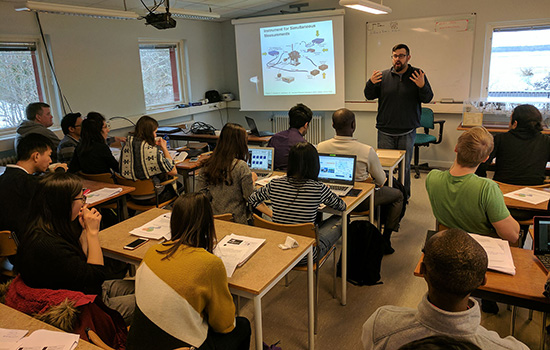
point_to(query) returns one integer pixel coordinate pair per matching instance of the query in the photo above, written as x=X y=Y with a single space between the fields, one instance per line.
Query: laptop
x=542 y=240
x=260 y=161
x=254 y=130
x=337 y=172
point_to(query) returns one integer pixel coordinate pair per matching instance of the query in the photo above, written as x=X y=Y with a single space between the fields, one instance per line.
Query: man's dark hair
x=454 y=262
x=439 y=342
x=342 y=119
x=32 y=143
x=35 y=108
x=401 y=46
x=69 y=121
x=299 y=115
x=528 y=118
x=303 y=162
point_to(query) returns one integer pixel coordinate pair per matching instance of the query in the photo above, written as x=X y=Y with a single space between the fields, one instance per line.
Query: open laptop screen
x=542 y=234
x=337 y=168
x=261 y=158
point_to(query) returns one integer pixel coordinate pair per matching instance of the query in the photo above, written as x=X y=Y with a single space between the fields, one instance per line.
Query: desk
x=523 y=290
x=189 y=136
x=495 y=128
x=517 y=204
x=13 y=319
x=187 y=166
x=120 y=197
x=390 y=158
x=253 y=280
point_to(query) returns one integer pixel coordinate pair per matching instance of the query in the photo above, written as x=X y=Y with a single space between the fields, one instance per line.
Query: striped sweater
x=183 y=295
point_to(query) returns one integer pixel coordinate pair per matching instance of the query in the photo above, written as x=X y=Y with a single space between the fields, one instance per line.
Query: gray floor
x=285 y=308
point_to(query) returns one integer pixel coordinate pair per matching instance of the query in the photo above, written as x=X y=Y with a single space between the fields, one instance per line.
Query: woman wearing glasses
x=61 y=249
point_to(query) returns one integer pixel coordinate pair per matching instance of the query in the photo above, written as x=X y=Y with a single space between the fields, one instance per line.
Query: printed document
x=155 y=229
x=498 y=252
x=529 y=195
x=235 y=250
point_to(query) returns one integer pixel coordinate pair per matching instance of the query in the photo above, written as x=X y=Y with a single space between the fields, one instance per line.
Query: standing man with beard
x=400 y=91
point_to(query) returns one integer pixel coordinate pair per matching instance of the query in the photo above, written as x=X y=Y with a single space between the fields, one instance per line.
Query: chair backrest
x=307 y=229
x=8 y=244
x=104 y=177
x=142 y=187
x=224 y=217
x=427 y=118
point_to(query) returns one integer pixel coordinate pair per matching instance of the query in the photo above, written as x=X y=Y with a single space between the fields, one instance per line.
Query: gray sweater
x=31 y=127
x=231 y=199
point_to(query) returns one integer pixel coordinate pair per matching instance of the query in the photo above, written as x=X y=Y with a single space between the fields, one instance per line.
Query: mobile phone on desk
x=194 y=159
x=136 y=244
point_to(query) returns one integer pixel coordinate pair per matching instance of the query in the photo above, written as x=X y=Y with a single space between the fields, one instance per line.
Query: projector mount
x=159 y=20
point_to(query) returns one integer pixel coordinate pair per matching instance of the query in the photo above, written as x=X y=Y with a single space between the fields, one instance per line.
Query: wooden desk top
x=253 y=277
x=517 y=204
x=389 y=158
x=181 y=135
x=188 y=165
x=96 y=185
x=495 y=127
x=527 y=284
x=13 y=319
x=365 y=187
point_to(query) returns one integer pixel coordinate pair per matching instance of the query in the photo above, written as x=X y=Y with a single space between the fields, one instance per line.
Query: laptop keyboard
x=263 y=174
x=338 y=187
x=545 y=260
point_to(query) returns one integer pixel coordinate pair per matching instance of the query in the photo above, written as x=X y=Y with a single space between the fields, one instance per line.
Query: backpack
x=365 y=252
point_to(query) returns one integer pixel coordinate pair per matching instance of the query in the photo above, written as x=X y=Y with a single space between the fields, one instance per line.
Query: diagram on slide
x=298 y=59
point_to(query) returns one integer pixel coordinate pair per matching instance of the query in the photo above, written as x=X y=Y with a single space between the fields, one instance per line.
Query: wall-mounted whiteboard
x=441 y=46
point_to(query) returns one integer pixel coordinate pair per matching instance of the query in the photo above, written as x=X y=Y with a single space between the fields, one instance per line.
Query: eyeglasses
x=401 y=56
x=83 y=199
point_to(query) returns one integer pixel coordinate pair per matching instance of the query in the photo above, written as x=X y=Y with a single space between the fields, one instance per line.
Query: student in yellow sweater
x=182 y=294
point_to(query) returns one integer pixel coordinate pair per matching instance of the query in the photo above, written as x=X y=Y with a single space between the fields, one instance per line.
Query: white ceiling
x=228 y=9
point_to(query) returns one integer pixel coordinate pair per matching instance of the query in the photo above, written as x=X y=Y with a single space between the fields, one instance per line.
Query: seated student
x=454 y=266
x=439 y=342
x=368 y=165
x=299 y=117
x=71 y=125
x=461 y=199
x=145 y=156
x=92 y=155
x=521 y=153
x=295 y=198
x=182 y=294
x=17 y=184
x=60 y=252
x=226 y=176
x=39 y=119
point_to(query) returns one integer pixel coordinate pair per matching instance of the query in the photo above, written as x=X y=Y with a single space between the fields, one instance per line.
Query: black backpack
x=365 y=252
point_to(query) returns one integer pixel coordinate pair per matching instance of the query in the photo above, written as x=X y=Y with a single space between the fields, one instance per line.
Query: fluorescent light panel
x=191 y=14
x=77 y=10
x=366 y=6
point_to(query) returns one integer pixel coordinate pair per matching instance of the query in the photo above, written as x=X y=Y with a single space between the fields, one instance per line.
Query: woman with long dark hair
x=295 y=198
x=182 y=294
x=93 y=155
x=61 y=250
x=226 y=175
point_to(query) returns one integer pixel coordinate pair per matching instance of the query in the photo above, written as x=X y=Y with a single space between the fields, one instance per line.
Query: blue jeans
x=404 y=142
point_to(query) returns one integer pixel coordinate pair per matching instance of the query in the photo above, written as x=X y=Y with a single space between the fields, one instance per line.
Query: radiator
x=279 y=122
x=8 y=160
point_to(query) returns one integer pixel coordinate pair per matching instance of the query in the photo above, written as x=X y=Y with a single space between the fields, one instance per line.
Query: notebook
x=260 y=161
x=254 y=130
x=337 y=172
x=542 y=240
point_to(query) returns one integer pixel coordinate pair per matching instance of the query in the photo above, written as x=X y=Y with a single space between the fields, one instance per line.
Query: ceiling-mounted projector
x=160 y=20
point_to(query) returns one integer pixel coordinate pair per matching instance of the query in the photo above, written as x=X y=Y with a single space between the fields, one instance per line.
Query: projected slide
x=298 y=59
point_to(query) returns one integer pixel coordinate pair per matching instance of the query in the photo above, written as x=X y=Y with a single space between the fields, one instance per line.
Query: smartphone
x=137 y=243
x=194 y=159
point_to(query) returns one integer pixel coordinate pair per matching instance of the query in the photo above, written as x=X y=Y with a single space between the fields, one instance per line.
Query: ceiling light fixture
x=366 y=6
x=76 y=10
x=192 y=14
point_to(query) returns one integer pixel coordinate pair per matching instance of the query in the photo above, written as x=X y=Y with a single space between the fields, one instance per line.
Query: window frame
x=41 y=70
x=491 y=27
x=181 y=72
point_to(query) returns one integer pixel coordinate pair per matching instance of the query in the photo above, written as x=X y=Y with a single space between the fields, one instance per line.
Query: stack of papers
x=155 y=229
x=235 y=250
x=266 y=180
x=529 y=195
x=102 y=194
x=498 y=252
x=178 y=156
x=12 y=339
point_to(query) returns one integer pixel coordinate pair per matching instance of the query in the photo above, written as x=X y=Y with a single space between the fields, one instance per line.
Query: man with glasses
x=71 y=125
x=400 y=91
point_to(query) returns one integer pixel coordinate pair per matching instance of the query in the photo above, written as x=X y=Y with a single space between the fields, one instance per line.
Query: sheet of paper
x=10 y=337
x=155 y=229
x=266 y=180
x=49 y=340
x=235 y=250
x=178 y=156
x=529 y=195
x=99 y=195
x=498 y=252
x=116 y=153
x=472 y=119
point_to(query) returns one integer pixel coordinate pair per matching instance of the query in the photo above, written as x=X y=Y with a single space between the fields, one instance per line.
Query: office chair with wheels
x=425 y=139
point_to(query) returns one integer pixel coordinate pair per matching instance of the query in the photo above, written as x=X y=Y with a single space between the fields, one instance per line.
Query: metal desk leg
x=258 y=322
x=513 y=320
x=371 y=212
x=345 y=256
x=544 y=334
x=311 y=305
x=402 y=170
x=390 y=176
x=122 y=208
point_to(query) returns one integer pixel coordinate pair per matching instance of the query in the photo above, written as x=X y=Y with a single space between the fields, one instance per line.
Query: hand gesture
x=376 y=77
x=418 y=78
x=160 y=142
x=90 y=219
x=120 y=139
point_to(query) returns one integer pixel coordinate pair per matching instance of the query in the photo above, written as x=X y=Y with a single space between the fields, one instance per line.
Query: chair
x=425 y=139
x=8 y=247
x=144 y=188
x=308 y=230
x=224 y=217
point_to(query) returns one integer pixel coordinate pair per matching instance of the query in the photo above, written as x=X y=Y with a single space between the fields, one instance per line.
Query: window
x=20 y=74
x=520 y=63
x=161 y=72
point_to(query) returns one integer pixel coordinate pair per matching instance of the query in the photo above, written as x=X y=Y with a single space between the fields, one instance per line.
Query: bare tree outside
x=156 y=71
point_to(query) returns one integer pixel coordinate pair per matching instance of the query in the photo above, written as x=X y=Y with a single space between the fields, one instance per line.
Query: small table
x=390 y=159
x=253 y=280
x=517 y=204
x=187 y=166
x=14 y=319
x=120 y=197
x=189 y=136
